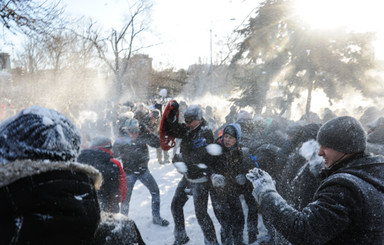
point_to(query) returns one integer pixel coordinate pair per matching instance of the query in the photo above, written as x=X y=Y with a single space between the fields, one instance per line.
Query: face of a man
x=229 y=140
x=192 y=123
x=330 y=156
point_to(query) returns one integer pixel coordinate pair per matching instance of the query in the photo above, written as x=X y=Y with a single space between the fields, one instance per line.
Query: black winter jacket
x=193 y=148
x=134 y=153
x=347 y=208
x=109 y=191
x=48 y=202
x=230 y=164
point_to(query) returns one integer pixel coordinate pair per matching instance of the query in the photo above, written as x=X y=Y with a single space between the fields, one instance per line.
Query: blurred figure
x=114 y=188
x=132 y=149
x=152 y=122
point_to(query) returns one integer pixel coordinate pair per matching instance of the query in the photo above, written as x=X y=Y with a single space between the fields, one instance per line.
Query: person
x=45 y=196
x=113 y=191
x=229 y=183
x=132 y=149
x=192 y=163
x=347 y=207
x=152 y=122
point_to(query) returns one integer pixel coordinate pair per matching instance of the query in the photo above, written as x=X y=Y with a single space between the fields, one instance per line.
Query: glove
x=240 y=179
x=262 y=183
x=218 y=180
x=174 y=106
x=198 y=143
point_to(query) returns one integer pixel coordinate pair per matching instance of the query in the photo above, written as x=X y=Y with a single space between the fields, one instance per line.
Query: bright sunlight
x=356 y=15
x=359 y=15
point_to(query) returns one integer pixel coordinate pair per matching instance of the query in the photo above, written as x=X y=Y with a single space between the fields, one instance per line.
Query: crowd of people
x=313 y=181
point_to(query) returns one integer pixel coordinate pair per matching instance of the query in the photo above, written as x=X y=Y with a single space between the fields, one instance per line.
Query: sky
x=167 y=179
x=180 y=27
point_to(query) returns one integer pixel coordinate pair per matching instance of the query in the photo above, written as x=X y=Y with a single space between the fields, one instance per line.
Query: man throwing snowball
x=348 y=206
x=193 y=163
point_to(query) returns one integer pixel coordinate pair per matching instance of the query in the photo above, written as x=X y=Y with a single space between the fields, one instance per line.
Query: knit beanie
x=101 y=141
x=38 y=133
x=193 y=112
x=344 y=134
x=132 y=125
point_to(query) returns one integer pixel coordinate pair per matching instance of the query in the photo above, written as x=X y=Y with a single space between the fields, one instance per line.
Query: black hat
x=193 y=112
x=39 y=133
x=101 y=141
x=344 y=134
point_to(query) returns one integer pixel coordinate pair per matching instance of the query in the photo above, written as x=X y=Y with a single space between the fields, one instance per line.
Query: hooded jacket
x=233 y=161
x=347 y=208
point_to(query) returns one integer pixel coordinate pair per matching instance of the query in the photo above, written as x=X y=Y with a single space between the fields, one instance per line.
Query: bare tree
x=123 y=44
x=31 y=17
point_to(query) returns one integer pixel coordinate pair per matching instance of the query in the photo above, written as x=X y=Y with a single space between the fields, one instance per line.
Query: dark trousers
x=229 y=212
x=200 y=192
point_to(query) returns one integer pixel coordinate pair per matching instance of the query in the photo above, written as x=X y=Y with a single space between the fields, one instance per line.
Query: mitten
x=240 y=179
x=174 y=106
x=218 y=180
x=262 y=183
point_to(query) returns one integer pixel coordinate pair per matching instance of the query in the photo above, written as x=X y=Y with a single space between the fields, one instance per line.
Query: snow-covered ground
x=140 y=208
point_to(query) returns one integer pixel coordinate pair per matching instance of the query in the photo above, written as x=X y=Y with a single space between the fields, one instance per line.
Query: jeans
x=147 y=179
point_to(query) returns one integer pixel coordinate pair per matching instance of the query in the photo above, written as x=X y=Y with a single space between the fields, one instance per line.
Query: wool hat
x=132 y=125
x=344 y=134
x=101 y=141
x=39 y=133
x=193 y=112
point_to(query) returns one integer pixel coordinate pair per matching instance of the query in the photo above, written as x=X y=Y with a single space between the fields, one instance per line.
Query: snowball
x=181 y=167
x=202 y=165
x=163 y=92
x=214 y=149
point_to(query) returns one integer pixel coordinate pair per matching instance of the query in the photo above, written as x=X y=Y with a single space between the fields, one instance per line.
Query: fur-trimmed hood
x=15 y=170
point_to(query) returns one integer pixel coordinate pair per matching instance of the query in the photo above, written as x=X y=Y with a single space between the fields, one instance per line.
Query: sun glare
x=358 y=15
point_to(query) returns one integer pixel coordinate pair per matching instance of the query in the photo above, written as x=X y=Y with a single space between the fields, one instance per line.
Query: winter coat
x=193 y=148
x=114 y=188
x=347 y=208
x=232 y=163
x=44 y=202
x=134 y=153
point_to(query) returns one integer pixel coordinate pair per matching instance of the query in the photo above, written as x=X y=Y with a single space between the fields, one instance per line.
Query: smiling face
x=229 y=140
x=331 y=156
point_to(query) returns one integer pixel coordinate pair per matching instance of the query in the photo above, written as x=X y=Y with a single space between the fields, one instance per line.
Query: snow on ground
x=167 y=178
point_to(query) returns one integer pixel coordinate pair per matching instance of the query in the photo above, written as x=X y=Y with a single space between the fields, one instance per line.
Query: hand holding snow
x=214 y=149
x=262 y=183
